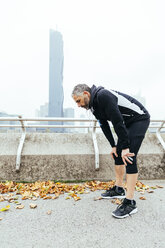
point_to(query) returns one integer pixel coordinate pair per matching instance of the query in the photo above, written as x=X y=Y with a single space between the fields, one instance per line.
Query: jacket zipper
x=127 y=115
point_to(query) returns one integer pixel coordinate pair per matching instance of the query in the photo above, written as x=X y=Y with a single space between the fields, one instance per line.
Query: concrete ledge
x=71 y=157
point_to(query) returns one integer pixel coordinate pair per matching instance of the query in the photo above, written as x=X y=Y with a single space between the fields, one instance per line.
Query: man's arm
x=107 y=131
x=108 y=103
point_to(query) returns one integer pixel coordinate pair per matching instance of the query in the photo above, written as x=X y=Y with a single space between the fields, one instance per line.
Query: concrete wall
x=48 y=156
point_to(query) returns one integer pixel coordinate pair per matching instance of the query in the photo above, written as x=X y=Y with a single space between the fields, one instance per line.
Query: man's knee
x=132 y=168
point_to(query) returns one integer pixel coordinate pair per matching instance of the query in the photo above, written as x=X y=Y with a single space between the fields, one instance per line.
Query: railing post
x=21 y=143
x=95 y=145
x=159 y=135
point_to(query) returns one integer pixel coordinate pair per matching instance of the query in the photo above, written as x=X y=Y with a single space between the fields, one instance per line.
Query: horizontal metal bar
x=47 y=126
x=61 y=119
x=59 y=126
x=156 y=127
x=56 y=119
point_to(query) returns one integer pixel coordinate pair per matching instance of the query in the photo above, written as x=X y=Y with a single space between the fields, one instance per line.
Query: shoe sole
x=114 y=197
x=126 y=215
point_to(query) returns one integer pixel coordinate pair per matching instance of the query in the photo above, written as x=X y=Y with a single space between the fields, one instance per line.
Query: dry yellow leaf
x=54 y=197
x=5 y=208
x=160 y=187
x=98 y=198
x=1 y=198
x=150 y=191
x=153 y=187
x=118 y=202
x=34 y=198
x=32 y=205
x=20 y=206
x=1 y=218
x=68 y=197
x=49 y=212
x=142 y=198
x=47 y=197
x=76 y=198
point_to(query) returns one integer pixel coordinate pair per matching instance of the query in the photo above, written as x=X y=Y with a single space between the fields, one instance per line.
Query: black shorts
x=136 y=133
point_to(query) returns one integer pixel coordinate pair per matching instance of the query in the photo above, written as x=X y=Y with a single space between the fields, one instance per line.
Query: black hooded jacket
x=119 y=108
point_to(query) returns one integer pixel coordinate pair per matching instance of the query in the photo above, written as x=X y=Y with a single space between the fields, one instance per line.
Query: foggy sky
x=116 y=44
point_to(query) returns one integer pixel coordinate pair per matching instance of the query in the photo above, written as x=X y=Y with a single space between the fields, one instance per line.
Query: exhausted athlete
x=130 y=120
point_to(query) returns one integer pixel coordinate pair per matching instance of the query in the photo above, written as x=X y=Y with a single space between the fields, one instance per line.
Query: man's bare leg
x=119 y=173
x=131 y=182
x=130 y=178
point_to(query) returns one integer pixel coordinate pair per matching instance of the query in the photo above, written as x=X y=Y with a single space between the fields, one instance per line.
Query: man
x=130 y=121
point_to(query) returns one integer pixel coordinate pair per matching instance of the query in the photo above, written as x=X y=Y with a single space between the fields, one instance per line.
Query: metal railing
x=93 y=125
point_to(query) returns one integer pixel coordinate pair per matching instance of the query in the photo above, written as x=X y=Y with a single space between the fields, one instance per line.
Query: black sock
x=129 y=201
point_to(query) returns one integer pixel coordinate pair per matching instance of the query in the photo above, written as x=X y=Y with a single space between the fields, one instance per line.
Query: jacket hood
x=94 y=91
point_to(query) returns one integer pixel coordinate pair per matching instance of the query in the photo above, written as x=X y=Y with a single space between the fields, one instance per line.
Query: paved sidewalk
x=85 y=223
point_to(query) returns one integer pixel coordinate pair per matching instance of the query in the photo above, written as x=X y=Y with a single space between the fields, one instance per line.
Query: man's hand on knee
x=113 y=152
x=127 y=156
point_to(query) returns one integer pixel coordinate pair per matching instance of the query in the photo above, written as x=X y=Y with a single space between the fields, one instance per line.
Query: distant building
x=42 y=112
x=56 y=96
x=69 y=113
x=4 y=114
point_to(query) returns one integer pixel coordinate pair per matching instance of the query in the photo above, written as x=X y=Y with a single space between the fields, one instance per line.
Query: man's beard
x=86 y=105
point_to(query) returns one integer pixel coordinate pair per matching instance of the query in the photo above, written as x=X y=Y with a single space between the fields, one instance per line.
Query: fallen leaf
x=49 y=212
x=153 y=187
x=1 y=198
x=76 y=198
x=160 y=187
x=33 y=205
x=142 y=198
x=54 y=197
x=5 y=208
x=47 y=197
x=98 y=198
x=34 y=198
x=80 y=192
x=1 y=218
x=150 y=191
x=20 y=207
x=118 y=202
x=68 y=197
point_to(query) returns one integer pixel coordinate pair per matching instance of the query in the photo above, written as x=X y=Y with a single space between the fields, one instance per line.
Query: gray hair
x=79 y=89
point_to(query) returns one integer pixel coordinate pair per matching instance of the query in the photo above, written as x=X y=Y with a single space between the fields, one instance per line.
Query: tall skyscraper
x=56 y=95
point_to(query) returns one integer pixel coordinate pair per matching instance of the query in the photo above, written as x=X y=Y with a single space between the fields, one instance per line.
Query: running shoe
x=114 y=193
x=125 y=209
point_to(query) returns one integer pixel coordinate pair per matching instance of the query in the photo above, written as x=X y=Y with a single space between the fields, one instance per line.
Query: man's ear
x=86 y=93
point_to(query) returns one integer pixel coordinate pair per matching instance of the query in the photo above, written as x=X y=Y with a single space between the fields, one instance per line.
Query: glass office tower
x=56 y=95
